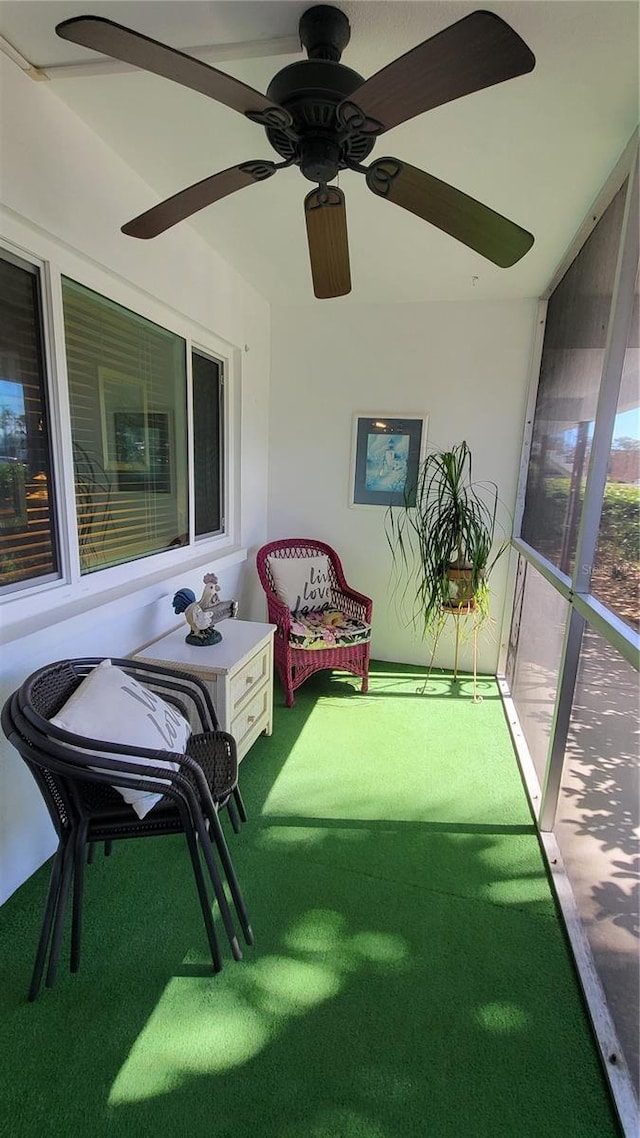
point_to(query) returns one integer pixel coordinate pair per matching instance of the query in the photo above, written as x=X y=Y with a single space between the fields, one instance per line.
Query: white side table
x=238 y=671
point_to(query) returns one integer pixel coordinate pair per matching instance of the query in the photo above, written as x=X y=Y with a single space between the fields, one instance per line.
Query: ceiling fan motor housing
x=311 y=90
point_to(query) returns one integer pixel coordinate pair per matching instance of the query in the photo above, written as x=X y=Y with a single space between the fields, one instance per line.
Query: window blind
x=127 y=392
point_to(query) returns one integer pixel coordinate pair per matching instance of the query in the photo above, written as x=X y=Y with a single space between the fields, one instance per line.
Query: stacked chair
x=83 y=782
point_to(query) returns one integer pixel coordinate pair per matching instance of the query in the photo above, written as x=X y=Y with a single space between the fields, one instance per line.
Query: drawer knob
x=249 y=680
x=251 y=719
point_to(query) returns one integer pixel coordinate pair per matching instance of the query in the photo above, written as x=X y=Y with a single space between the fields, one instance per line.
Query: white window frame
x=55 y=599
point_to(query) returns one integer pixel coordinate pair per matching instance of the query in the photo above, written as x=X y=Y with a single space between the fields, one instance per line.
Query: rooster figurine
x=200 y=615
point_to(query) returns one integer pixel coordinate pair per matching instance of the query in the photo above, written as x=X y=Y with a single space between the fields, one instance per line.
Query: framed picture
x=156 y=475
x=386 y=453
x=136 y=442
x=123 y=414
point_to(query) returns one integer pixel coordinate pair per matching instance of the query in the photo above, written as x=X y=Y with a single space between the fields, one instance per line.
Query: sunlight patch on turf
x=501 y=1017
x=197 y=1027
x=203 y=1025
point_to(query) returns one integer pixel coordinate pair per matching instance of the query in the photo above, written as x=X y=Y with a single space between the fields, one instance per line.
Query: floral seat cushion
x=331 y=629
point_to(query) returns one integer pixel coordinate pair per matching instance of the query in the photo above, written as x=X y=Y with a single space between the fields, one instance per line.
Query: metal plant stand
x=458 y=612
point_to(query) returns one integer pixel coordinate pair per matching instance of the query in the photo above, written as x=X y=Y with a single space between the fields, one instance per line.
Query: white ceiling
x=536 y=148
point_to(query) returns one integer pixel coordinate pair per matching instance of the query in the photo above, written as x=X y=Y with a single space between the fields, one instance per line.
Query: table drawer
x=248 y=679
x=251 y=719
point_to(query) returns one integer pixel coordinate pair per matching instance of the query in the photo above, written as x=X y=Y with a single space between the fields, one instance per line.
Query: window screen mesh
x=571 y=369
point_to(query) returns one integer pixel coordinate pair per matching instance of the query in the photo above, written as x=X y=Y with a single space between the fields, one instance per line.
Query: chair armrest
x=279 y=614
x=354 y=603
x=94 y=760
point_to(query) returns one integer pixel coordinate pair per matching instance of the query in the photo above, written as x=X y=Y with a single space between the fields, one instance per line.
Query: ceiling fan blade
x=196 y=197
x=474 y=224
x=141 y=51
x=326 y=218
x=476 y=52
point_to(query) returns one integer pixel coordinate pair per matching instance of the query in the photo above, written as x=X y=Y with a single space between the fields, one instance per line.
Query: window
x=597 y=825
x=28 y=545
x=573 y=654
x=616 y=574
x=131 y=483
x=127 y=392
x=535 y=652
x=208 y=458
x=572 y=358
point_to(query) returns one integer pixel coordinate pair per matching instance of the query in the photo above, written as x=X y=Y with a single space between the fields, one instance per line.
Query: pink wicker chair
x=294 y=663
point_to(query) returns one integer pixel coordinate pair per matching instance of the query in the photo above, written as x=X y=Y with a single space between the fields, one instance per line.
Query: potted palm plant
x=443 y=546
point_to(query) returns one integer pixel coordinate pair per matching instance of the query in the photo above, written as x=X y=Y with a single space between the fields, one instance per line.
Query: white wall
x=65 y=195
x=466 y=365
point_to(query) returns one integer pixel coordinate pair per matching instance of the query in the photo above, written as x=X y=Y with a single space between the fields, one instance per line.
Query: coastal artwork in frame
x=386 y=454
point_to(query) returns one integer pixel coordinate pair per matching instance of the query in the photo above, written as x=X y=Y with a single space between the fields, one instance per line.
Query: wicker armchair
x=329 y=627
x=83 y=782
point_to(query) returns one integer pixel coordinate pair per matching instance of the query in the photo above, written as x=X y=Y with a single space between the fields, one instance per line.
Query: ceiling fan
x=323 y=117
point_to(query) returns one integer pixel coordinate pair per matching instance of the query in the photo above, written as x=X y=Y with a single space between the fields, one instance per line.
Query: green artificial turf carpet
x=410 y=976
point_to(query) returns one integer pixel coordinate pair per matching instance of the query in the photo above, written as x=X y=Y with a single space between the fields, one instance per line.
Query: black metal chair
x=76 y=777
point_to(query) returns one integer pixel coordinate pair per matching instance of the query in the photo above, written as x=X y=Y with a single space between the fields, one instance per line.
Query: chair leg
x=233 y=815
x=230 y=874
x=365 y=666
x=61 y=908
x=220 y=895
x=108 y=846
x=78 y=890
x=90 y=853
x=286 y=679
x=214 y=947
x=239 y=801
x=47 y=920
